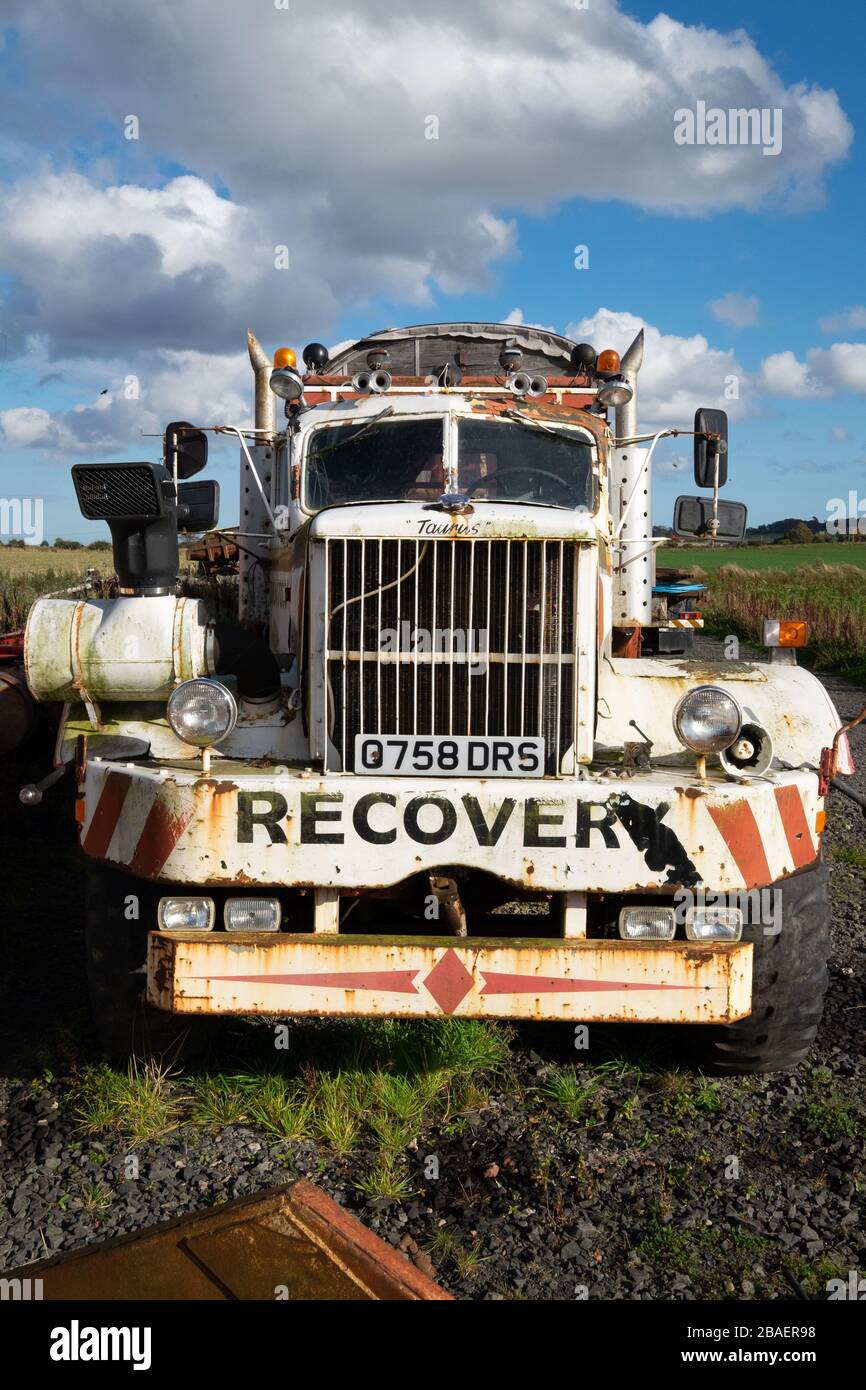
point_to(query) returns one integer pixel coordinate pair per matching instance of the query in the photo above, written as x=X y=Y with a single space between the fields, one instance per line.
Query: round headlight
x=707 y=719
x=202 y=712
x=287 y=383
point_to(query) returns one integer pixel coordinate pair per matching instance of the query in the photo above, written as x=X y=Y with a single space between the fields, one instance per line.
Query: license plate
x=460 y=756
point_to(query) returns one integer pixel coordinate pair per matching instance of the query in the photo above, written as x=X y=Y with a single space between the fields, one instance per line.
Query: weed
x=141 y=1103
x=567 y=1087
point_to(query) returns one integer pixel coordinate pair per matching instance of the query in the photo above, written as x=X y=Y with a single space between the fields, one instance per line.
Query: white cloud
x=31 y=427
x=840 y=434
x=528 y=101
x=783 y=375
x=853 y=318
x=739 y=310
x=842 y=366
x=517 y=318
x=825 y=372
x=205 y=388
x=678 y=373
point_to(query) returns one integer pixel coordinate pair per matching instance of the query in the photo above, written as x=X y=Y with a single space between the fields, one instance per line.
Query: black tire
x=789 y=982
x=126 y=1026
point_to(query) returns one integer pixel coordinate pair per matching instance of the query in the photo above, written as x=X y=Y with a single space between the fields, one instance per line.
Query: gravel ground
x=665 y=1187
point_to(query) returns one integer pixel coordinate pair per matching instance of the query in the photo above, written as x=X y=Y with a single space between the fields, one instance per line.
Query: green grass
x=343 y=1082
x=764 y=557
x=28 y=574
x=141 y=1103
x=570 y=1089
x=832 y=1119
x=96 y=1198
x=388 y=1178
x=829 y=598
x=466 y=1258
x=855 y=857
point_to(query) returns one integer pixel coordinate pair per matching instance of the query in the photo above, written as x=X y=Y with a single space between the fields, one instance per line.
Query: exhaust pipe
x=266 y=401
x=630 y=365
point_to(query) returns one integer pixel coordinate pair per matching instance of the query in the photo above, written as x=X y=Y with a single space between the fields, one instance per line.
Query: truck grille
x=445 y=637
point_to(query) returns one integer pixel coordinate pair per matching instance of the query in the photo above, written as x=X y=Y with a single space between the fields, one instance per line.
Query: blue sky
x=134 y=265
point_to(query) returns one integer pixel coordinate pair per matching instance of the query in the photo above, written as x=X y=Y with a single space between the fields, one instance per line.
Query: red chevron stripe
x=796 y=827
x=104 y=819
x=391 y=981
x=738 y=828
x=496 y=983
x=160 y=834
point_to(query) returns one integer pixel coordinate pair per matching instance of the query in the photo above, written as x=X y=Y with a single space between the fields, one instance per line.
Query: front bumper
x=247 y=825
x=412 y=977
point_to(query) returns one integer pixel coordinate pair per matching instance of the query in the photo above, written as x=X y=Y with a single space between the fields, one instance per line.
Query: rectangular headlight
x=186 y=914
x=647 y=923
x=252 y=914
x=714 y=923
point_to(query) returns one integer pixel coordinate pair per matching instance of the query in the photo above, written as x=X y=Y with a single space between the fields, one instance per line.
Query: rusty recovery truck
x=439 y=763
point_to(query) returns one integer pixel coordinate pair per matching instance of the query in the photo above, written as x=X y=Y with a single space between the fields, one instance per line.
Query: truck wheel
x=126 y=1026
x=788 y=985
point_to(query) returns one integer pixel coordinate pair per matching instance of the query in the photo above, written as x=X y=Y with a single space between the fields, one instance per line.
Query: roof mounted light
x=285 y=357
x=615 y=391
x=510 y=358
x=607 y=363
x=287 y=384
x=583 y=357
x=448 y=374
x=315 y=357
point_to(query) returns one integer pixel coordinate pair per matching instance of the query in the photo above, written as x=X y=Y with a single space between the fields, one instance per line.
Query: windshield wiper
x=529 y=422
x=355 y=435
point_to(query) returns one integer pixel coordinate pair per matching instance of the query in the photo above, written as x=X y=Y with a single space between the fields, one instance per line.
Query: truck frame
x=428 y=771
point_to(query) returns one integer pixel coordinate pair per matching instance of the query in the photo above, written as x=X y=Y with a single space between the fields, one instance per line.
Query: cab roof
x=475 y=347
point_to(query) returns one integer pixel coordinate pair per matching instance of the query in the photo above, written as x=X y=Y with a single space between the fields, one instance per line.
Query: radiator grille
x=448 y=637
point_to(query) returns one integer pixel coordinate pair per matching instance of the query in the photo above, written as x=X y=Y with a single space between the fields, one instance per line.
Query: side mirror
x=198 y=505
x=708 y=450
x=188 y=445
x=692 y=517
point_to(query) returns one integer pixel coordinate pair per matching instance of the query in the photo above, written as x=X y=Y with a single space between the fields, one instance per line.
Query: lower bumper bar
x=413 y=977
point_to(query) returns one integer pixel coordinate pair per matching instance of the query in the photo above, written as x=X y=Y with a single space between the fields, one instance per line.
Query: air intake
x=123 y=491
x=138 y=502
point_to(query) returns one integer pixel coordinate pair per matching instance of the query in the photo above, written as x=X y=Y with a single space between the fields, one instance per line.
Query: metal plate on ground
x=288 y=1243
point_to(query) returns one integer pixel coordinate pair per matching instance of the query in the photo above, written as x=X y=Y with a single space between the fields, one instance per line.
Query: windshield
x=378 y=460
x=384 y=458
x=524 y=461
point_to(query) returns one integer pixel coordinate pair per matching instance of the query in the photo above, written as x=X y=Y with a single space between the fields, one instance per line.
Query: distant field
x=35 y=570
x=36 y=559
x=766 y=557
